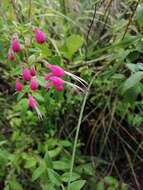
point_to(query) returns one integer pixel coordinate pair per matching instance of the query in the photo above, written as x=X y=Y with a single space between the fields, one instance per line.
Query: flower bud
x=18 y=85
x=57 y=81
x=56 y=70
x=33 y=84
x=32 y=102
x=15 y=44
x=26 y=74
x=48 y=76
x=10 y=55
x=39 y=36
x=33 y=71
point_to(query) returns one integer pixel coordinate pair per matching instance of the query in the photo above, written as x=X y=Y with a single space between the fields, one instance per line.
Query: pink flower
x=33 y=71
x=26 y=74
x=39 y=36
x=15 y=44
x=60 y=88
x=18 y=85
x=48 y=76
x=57 y=81
x=32 y=102
x=33 y=84
x=56 y=70
x=10 y=55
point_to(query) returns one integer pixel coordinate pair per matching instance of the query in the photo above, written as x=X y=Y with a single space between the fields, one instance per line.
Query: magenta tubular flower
x=15 y=45
x=56 y=70
x=32 y=102
x=57 y=81
x=39 y=36
x=33 y=71
x=18 y=85
x=48 y=76
x=26 y=74
x=33 y=84
x=10 y=55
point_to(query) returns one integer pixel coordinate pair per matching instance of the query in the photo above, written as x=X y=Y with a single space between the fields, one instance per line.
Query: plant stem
x=77 y=131
x=30 y=8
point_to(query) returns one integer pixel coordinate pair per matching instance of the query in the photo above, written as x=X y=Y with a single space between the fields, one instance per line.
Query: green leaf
x=133 y=80
x=23 y=104
x=139 y=14
x=73 y=43
x=53 y=153
x=41 y=81
x=30 y=162
x=48 y=160
x=77 y=185
x=14 y=184
x=65 y=176
x=65 y=143
x=32 y=59
x=38 y=172
x=38 y=96
x=16 y=71
x=48 y=187
x=133 y=67
x=3 y=142
x=54 y=177
x=100 y=185
x=110 y=180
x=61 y=165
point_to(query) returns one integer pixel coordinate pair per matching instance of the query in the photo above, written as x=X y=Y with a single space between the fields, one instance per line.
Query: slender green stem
x=77 y=132
x=30 y=8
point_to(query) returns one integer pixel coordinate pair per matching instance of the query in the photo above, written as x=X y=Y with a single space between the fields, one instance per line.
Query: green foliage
x=37 y=154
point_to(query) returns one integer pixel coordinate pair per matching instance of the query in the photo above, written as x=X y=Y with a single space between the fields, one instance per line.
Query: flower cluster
x=53 y=78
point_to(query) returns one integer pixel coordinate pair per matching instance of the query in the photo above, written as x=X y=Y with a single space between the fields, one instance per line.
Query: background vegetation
x=102 y=42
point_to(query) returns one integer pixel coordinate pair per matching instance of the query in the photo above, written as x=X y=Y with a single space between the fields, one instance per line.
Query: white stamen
x=39 y=113
x=74 y=86
x=83 y=82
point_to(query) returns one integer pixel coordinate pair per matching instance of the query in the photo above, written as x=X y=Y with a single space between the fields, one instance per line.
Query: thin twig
x=89 y=30
x=130 y=19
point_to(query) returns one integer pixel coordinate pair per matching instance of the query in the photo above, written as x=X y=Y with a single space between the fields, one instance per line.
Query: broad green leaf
x=30 y=162
x=23 y=104
x=61 y=165
x=41 y=81
x=110 y=180
x=65 y=176
x=49 y=186
x=100 y=185
x=53 y=153
x=32 y=59
x=133 y=80
x=77 y=185
x=3 y=142
x=73 y=43
x=65 y=143
x=14 y=184
x=38 y=172
x=48 y=160
x=54 y=177
x=16 y=71
x=133 y=67
x=139 y=14
x=38 y=96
